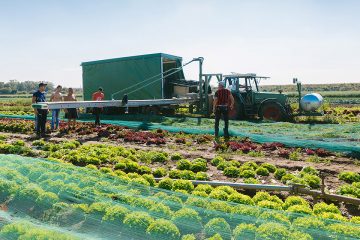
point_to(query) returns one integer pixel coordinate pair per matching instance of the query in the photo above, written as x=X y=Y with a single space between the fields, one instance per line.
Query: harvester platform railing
x=113 y=103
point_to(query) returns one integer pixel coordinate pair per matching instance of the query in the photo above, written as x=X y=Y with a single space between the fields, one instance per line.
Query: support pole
x=162 y=78
x=298 y=85
x=299 y=91
x=201 y=102
x=207 y=80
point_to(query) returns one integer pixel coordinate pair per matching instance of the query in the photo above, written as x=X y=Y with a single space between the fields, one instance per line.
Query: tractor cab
x=250 y=102
x=242 y=85
x=243 y=82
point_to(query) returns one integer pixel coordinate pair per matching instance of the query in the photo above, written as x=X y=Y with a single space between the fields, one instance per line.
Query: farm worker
x=71 y=113
x=56 y=97
x=223 y=101
x=98 y=96
x=40 y=114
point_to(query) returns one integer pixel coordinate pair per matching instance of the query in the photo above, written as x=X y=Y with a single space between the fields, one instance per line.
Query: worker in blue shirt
x=41 y=114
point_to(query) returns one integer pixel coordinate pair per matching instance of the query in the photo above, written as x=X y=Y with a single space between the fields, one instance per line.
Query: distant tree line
x=313 y=87
x=26 y=87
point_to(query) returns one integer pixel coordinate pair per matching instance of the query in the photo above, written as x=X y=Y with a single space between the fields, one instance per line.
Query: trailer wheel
x=271 y=111
x=168 y=111
x=150 y=110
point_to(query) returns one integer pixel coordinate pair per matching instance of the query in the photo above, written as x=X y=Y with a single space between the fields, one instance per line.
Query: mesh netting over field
x=41 y=198
x=333 y=137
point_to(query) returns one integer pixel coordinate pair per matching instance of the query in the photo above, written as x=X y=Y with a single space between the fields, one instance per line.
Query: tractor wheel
x=271 y=111
x=237 y=112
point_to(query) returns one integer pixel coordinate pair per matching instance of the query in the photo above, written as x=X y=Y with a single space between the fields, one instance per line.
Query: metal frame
x=208 y=77
x=200 y=106
x=298 y=85
x=162 y=76
x=112 y=103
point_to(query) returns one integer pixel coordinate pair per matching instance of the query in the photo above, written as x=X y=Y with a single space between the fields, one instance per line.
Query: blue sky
x=316 y=41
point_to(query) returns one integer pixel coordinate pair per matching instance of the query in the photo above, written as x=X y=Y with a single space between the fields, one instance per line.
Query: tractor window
x=253 y=84
x=249 y=81
x=231 y=84
x=242 y=86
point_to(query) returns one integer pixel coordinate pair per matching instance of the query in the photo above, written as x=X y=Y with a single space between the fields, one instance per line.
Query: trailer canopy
x=141 y=77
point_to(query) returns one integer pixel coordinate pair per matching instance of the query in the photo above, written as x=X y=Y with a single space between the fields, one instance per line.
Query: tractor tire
x=272 y=111
x=237 y=112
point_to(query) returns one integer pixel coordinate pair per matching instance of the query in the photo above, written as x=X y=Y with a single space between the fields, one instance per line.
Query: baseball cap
x=222 y=83
x=42 y=84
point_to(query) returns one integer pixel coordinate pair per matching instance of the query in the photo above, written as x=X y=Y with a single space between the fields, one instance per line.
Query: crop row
x=127 y=160
x=275 y=148
x=220 y=193
x=334 y=114
x=16 y=108
x=61 y=194
x=179 y=140
x=16 y=125
x=353 y=188
x=159 y=137
x=22 y=229
x=308 y=176
x=117 y=158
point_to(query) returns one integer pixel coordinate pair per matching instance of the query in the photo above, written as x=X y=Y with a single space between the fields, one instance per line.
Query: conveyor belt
x=113 y=103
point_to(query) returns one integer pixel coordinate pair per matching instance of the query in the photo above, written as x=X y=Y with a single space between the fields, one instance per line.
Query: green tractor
x=251 y=102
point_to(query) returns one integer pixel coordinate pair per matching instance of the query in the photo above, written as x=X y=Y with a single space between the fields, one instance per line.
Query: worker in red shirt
x=98 y=96
x=223 y=101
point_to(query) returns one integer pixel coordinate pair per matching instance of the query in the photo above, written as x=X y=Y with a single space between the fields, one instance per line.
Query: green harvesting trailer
x=151 y=76
x=145 y=83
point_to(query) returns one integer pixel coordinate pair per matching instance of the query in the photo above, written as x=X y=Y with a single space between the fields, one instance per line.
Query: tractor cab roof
x=243 y=82
x=244 y=75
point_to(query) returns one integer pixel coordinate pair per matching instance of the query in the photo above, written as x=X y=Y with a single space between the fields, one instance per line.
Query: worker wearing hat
x=223 y=101
x=41 y=114
x=98 y=96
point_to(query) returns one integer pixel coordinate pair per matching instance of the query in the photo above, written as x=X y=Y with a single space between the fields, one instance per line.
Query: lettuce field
x=47 y=197
x=157 y=177
x=119 y=183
